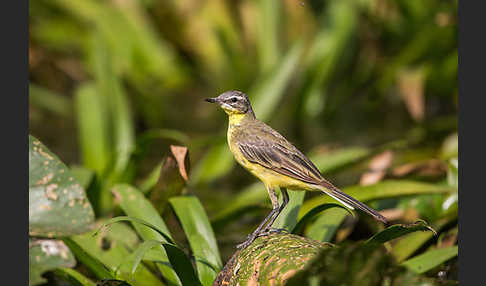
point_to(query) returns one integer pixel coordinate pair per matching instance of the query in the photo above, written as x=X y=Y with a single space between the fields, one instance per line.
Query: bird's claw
x=247 y=242
x=272 y=230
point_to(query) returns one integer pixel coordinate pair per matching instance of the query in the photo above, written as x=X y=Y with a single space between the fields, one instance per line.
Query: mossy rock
x=270 y=260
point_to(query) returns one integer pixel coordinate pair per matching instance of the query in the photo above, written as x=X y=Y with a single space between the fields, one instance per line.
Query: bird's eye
x=234 y=99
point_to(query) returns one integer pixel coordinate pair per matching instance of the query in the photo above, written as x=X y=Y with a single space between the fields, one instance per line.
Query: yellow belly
x=269 y=177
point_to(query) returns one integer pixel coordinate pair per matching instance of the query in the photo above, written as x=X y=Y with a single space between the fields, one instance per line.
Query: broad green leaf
x=308 y=216
x=117 y=107
x=268 y=34
x=49 y=100
x=430 y=259
x=104 y=257
x=200 y=235
x=136 y=257
x=398 y=230
x=57 y=203
x=381 y=190
x=45 y=255
x=287 y=219
x=134 y=221
x=122 y=232
x=92 y=128
x=409 y=244
x=182 y=265
x=136 y=206
x=327 y=223
x=267 y=94
x=85 y=256
x=74 y=277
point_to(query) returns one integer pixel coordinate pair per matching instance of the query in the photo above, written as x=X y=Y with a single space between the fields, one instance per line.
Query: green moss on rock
x=269 y=260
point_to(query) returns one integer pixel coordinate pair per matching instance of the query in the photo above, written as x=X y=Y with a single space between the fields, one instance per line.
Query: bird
x=270 y=157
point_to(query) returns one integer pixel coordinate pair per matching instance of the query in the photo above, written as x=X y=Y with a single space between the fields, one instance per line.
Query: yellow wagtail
x=271 y=158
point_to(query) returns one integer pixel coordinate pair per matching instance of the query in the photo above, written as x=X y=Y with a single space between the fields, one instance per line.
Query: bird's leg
x=275 y=210
x=285 y=201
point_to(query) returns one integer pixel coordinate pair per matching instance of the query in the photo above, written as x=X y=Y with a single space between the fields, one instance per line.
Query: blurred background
x=367 y=88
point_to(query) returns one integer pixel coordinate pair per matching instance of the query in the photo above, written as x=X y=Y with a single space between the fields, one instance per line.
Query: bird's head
x=233 y=102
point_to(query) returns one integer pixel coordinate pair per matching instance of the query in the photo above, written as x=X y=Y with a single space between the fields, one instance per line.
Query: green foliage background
x=114 y=83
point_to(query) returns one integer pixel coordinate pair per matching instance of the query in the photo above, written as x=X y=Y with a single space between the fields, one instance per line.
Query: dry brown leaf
x=180 y=153
x=411 y=87
x=432 y=167
x=377 y=168
x=392 y=214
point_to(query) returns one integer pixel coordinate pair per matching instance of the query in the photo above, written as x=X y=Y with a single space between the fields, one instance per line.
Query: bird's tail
x=350 y=202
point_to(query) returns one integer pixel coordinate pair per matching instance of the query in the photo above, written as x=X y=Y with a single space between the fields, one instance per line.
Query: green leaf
x=74 y=277
x=99 y=269
x=138 y=208
x=381 y=190
x=57 y=203
x=200 y=235
x=326 y=224
x=117 y=105
x=267 y=94
x=135 y=221
x=92 y=128
x=104 y=256
x=45 y=255
x=137 y=255
x=409 y=244
x=287 y=219
x=123 y=233
x=268 y=42
x=182 y=265
x=430 y=259
x=308 y=216
x=398 y=230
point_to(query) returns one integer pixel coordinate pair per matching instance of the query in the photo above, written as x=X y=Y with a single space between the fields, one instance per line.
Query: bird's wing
x=271 y=150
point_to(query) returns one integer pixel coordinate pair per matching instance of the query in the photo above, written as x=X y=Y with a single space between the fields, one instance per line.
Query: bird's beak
x=212 y=100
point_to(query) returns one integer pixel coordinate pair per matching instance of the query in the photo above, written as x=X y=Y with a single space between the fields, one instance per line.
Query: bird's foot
x=272 y=230
x=248 y=241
